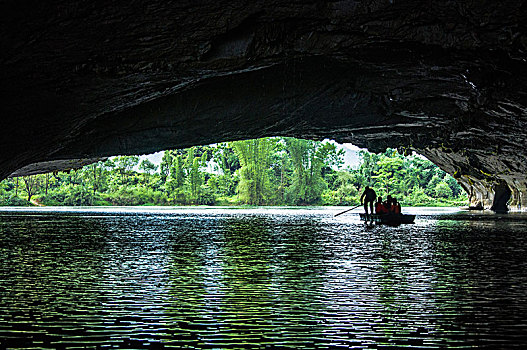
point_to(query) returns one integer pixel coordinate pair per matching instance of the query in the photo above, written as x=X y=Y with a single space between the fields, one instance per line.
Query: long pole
x=345 y=211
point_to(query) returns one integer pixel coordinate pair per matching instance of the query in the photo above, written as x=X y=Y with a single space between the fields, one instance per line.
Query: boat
x=388 y=219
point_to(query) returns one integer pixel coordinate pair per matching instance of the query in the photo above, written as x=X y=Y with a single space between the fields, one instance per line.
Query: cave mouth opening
x=264 y=171
x=365 y=74
x=314 y=97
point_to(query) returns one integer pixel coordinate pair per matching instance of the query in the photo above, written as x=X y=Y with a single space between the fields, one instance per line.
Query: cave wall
x=88 y=79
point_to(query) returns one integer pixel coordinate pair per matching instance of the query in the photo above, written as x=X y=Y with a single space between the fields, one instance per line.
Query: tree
x=125 y=164
x=226 y=159
x=183 y=173
x=253 y=155
x=413 y=174
x=31 y=185
x=177 y=172
x=308 y=158
x=147 y=167
x=166 y=164
x=346 y=192
x=194 y=178
x=95 y=175
x=454 y=185
x=430 y=188
x=389 y=173
x=442 y=190
x=369 y=165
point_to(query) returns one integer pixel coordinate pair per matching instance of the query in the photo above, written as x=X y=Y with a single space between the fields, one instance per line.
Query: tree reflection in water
x=253 y=278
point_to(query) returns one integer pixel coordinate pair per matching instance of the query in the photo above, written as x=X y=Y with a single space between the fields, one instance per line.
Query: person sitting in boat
x=380 y=208
x=388 y=203
x=396 y=206
x=369 y=197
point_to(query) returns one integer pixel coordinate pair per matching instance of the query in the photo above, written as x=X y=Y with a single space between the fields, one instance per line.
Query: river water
x=260 y=278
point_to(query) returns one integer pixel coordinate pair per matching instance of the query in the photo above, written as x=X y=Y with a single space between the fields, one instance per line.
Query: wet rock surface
x=82 y=80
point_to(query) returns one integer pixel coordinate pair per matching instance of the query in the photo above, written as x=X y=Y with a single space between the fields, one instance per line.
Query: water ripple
x=262 y=278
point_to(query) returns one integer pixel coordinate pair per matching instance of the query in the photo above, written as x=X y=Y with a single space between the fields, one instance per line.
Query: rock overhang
x=447 y=80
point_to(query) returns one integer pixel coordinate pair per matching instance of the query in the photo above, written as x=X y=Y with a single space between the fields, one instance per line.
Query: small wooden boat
x=388 y=219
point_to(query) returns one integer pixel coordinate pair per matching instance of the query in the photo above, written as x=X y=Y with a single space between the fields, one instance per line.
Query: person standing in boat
x=368 y=196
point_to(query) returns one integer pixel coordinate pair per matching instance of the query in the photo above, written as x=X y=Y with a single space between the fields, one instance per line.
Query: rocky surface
x=87 y=79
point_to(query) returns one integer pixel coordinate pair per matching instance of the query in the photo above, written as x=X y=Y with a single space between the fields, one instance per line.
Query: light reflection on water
x=242 y=278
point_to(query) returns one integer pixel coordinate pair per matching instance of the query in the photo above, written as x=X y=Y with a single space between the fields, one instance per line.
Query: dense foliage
x=269 y=171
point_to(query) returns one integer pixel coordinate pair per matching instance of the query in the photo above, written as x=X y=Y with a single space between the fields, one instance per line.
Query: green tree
x=124 y=164
x=254 y=156
x=147 y=166
x=308 y=158
x=166 y=165
x=455 y=187
x=31 y=185
x=430 y=188
x=442 y=190
x=389 y=173
x=195 y=178
x=91 y=175
x=177 y=172
x=226 y=159
x=368 y=168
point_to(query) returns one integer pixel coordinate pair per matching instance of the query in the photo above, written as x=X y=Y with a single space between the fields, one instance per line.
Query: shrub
x=50 y=200
x=442 y=190
x=206 y=196
x=417 y=197
x=14 y=201
x=137 y=195
x=339 y=197
x=179 y=196
x=78 y=196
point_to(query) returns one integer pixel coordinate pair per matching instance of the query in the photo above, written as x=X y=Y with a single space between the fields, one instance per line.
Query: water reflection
x=482 y=301
x=254 y=279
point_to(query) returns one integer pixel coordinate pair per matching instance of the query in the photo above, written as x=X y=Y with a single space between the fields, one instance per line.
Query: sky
x=351 y=157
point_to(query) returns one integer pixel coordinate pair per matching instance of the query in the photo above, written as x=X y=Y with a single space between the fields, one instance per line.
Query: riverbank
x=222 y=202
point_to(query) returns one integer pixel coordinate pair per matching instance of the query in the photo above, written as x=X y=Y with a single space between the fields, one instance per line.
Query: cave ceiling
x=81 y=80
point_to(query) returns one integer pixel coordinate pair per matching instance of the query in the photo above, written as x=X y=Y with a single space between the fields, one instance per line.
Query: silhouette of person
x=369 y=197
x=379 y=207
x=388 y=203
x=396 y=206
